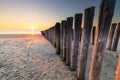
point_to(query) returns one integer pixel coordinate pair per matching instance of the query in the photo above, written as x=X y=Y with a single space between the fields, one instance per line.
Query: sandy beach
x=34 y=58
x=31 y=58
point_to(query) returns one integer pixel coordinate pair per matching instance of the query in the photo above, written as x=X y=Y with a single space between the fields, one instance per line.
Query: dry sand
x=34 y=58
x=31 y=58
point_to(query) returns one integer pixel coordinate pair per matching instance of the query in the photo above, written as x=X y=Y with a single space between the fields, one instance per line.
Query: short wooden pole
x=116 y=37
x=78 y=22
x=57 y=36
x=105 y=17
x=110 y=36
x=85 y=41
x=69 y=40
x=118 y=70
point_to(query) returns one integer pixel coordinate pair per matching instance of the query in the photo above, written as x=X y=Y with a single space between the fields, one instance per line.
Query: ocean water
x=19 y=32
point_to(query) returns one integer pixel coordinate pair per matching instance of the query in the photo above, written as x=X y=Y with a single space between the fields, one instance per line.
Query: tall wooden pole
x=61 y=38
x=57 y=36
x=78 y=22
x=116 y=37
x=69 y=42
x=54 y=36
x=64 y=30
x=106 y=12
x=110 y=37
x=118 y=70
x=85 y=41
x=50 y=32
x=93 y=34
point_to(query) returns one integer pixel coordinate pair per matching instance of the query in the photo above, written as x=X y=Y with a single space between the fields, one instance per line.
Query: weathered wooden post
x=85 y=41
x=80 y=34
x=73 y=32
x=69 y=40
x=57 y=36
x=102 y=30
x=110 y=36
x=64 y=28
x=54 y=38
x=51 y=36
x=116 y=37
x=53 y=31
x=43 y=33
x=93 y=34
x=78 y=22
x=61 y=38
x=118 y=70
x=47 y=34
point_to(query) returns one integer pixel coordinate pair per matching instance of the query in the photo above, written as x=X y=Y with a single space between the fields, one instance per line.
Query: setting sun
x=32 y=30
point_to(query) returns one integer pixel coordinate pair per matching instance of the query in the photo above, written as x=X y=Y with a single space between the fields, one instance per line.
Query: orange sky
x=24 y=21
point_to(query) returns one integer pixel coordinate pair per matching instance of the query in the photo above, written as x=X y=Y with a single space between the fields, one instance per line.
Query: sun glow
x=32 y=30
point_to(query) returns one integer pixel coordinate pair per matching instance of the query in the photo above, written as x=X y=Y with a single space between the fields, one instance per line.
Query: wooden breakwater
x=62 y=34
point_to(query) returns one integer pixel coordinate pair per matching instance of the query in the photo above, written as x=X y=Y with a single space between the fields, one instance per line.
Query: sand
x=34 y=58
x=31 y=58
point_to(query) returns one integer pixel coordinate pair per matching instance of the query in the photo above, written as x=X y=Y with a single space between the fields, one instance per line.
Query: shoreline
x=9 y=36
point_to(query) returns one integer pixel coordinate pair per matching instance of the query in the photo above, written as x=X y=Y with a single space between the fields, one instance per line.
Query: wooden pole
x=57 y=35
x=73 y=32
x=49 y=35
x=80 y=34
x=85 y=41
x=54 y=36
x=53 y=31
x=93 y=35
x=64 y=29
x=118 y=70
x=78 y=22
x=116 y=37
x=61 y=39
x=105 y=17
x=110 y=37
x=69 y=40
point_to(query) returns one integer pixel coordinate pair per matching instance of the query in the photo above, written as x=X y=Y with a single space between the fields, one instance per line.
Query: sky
x=42 y=14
